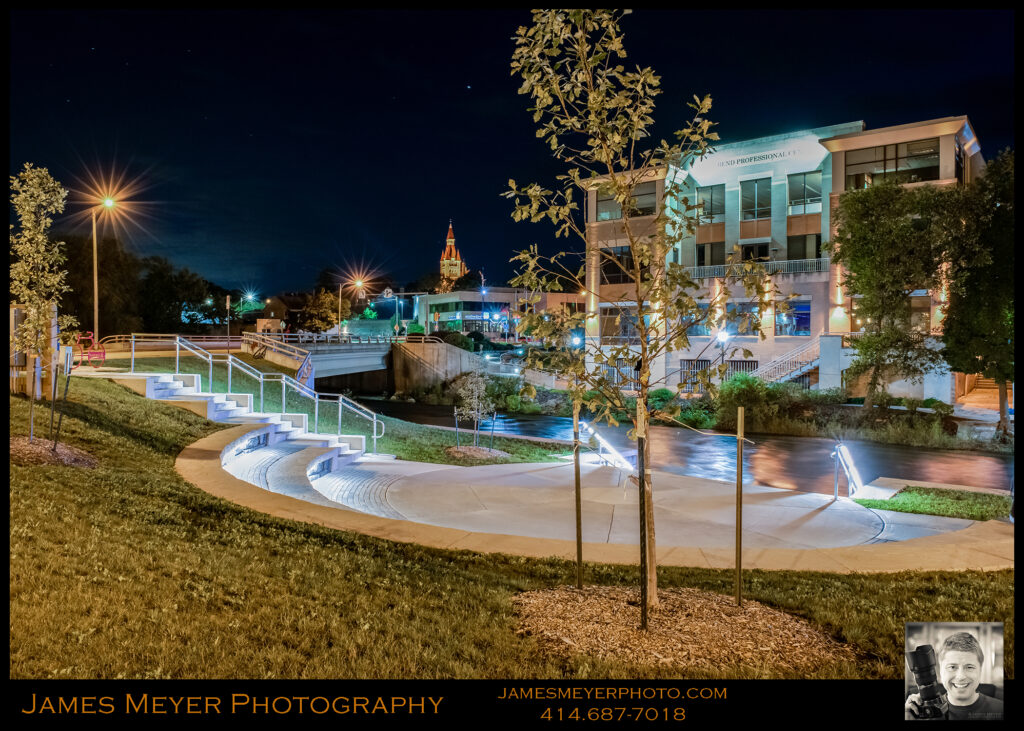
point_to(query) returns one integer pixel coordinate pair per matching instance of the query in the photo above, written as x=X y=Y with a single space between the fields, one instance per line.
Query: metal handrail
x=263 y=378
x=617 y=459
x=789 y=362
x=789 y=266
x=841 y=455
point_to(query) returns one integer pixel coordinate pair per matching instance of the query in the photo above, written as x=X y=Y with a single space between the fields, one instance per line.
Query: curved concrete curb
x=986 y=546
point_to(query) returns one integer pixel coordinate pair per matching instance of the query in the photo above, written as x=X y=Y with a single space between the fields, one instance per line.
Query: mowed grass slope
x=128 y=571
x=406 y=440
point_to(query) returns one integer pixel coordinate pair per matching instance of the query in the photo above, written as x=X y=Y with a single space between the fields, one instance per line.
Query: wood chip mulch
x=474 y=453
x=40 y=451
x=689 y=630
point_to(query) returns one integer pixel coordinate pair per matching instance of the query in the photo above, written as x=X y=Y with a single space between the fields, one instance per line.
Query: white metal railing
x=257 y=342
x=155 y=338
x=287 y=383
x=347 y=338
x=842 y=458
x=795 y=266
x=614 y=457
x=789 y=362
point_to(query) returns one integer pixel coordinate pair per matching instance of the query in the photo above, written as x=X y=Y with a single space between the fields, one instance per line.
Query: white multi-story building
x=773 y=197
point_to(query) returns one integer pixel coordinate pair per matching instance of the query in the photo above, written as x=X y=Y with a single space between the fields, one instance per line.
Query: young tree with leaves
x=977 y=234
x=885 y=241
x=596 y=117
x=321 y=311
x=37 y=272
x=470 y=391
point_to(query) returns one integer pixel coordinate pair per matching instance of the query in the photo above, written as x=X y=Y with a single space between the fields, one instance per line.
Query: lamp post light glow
x=109 y=203
x=723 y=338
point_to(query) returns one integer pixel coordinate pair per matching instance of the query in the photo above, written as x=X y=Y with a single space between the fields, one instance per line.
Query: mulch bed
x=41 y=451
x=474 y=453
x=690 y=629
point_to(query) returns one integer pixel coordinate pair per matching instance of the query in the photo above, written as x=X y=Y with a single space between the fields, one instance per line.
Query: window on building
x=754 y=251
x=619 y=325
x=803 y=247
x=688 y=370
x=616 y=265
x=906 y=162
x=699 y=322
x=645 y=196
x=755 y=199
x=741 y=318
x=711 y=200
x=958 y=152
x=608 y=209
x=645 y=200
x=711 y=254
x=797 y=321
x=805 y=193
x=921 y=313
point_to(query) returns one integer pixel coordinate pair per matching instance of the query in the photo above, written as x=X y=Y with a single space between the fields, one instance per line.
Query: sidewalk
x=530 y=508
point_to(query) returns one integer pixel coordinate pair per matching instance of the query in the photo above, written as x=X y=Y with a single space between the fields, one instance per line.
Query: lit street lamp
x=723 y=338
x=109 y=203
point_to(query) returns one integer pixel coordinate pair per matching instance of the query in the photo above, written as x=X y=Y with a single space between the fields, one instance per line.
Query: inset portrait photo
x=954 y=671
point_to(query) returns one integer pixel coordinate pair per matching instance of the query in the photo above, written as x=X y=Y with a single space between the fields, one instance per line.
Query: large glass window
x=907 y=162
x=754 y=251
x=755 y=199
x=741 y=317
x=711 y=254
x=797 y=321
x=616 y=265
x=805 y=193
x=711 y=200
x=700 y=322
x=806 y=246
x=645 y=196
x=645 y=200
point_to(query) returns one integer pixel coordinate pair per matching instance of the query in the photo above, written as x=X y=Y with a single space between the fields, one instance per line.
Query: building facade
x=773 y=198
x=493 y=311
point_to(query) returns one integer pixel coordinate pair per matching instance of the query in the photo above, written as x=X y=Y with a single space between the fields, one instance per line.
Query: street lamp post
x=229 y=322
x=723 y=338
x=109 y=203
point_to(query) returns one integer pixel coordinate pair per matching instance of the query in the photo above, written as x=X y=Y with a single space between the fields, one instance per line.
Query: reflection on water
x=802 y=463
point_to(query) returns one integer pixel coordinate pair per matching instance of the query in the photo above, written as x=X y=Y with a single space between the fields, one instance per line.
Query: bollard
x=283 y=398
x=133 y=353
x=316 y=415
x=229 y=374
x=177 y=355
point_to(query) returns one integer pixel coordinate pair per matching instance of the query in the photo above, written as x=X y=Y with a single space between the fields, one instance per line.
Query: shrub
x=458 y=340
x=912 y=404
x=477 y=337
x=883 y=400
x=415 y=329
x=828 y=396
x=750 y=393
x=943 y=409
x=660 y=398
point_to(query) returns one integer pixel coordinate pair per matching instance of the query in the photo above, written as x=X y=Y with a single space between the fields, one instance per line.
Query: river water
x=802 y=463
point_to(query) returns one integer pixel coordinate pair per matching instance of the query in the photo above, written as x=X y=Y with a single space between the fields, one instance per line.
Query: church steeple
x=452 y=266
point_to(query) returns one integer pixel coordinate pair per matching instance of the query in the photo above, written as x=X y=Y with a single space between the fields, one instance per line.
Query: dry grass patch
x=41 y=451
x=475 y=453
x=691 y=630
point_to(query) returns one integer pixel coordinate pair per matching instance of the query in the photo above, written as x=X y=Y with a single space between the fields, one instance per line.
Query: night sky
x=271 y=145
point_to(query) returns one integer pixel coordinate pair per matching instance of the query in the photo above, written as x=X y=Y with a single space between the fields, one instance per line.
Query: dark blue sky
x=274 y=144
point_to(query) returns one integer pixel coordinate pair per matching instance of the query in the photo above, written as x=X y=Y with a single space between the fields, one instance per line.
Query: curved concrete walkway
x=982 y=545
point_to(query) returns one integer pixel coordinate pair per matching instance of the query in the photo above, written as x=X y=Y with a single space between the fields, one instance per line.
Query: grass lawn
x=947 y=503
x=403 y=439
x=128 y=571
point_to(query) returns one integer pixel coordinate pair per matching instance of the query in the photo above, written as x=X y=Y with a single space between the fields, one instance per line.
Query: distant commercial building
x=493 y=311
x=774 y=197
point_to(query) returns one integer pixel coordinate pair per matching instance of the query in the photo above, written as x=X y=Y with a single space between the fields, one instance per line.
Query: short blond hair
x=962 y=642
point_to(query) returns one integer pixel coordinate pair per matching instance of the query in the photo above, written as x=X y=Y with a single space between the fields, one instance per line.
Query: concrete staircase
x=279 y=454
x=793 y=364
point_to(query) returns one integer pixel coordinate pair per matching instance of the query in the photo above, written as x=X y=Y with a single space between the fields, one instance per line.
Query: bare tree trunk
x=1004 y=408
